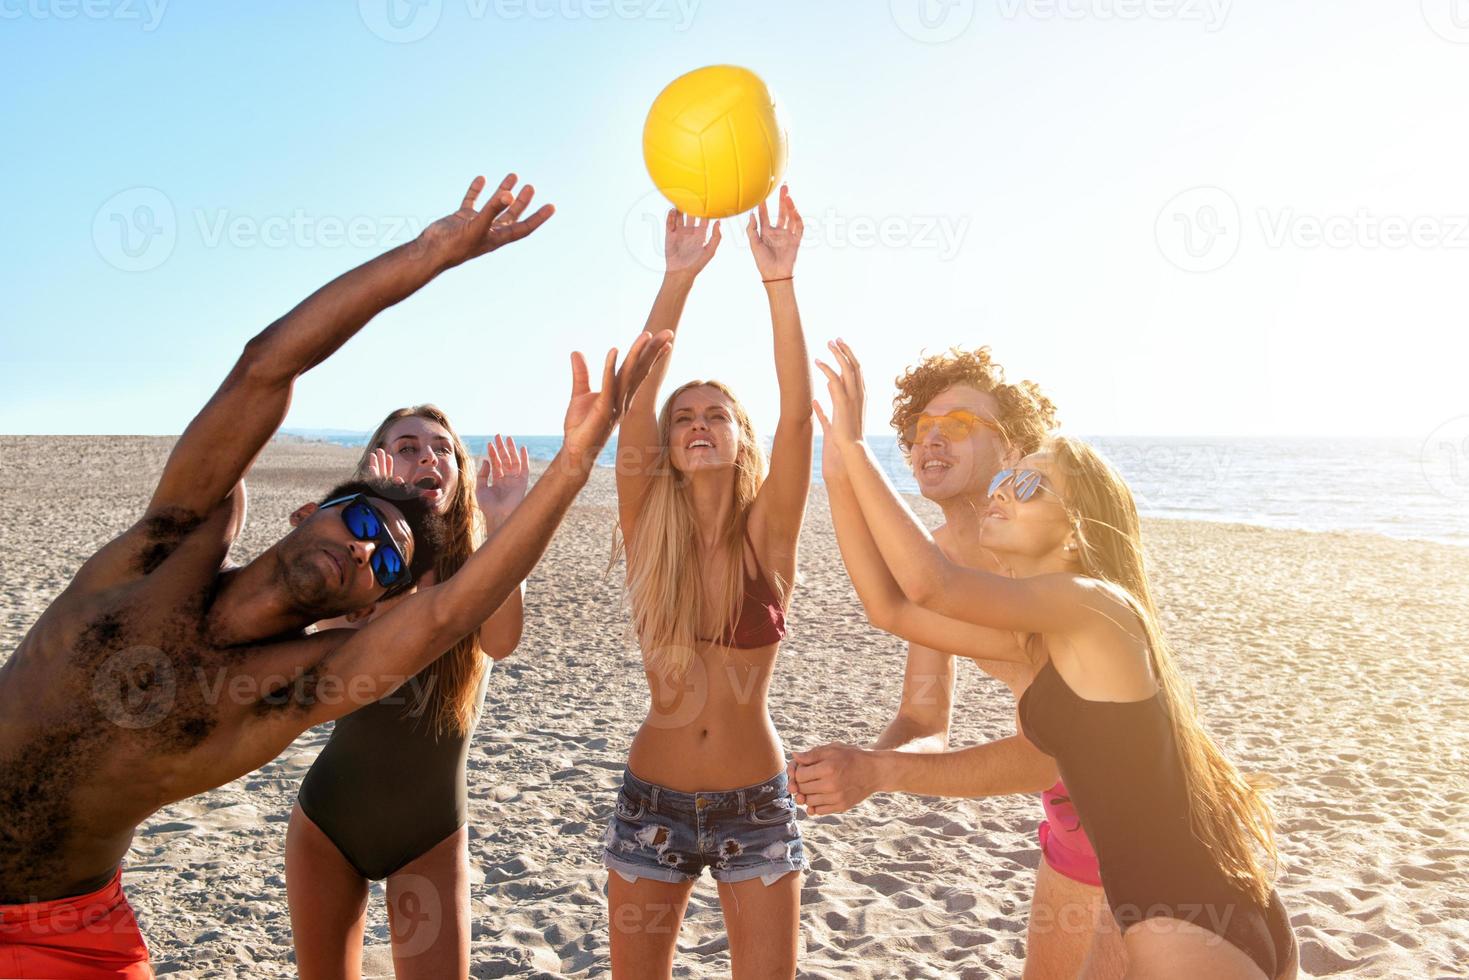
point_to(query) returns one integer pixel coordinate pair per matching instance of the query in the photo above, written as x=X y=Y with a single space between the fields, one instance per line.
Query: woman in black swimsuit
x=711 y=554
x=386 y=798
x=1184 y=841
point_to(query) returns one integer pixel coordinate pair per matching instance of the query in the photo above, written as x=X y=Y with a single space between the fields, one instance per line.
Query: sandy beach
x=1333 y=662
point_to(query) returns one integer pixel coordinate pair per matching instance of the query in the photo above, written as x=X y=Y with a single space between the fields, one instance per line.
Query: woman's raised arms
x=883 y=600
x=775 y=518
x=688 y=245
x=1042 y=604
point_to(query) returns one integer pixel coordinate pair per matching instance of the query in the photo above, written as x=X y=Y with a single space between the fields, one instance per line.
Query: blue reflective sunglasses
x=366 y=524
x=1027 y=482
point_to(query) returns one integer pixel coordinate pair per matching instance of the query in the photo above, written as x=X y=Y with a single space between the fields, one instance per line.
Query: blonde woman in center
x=710 y=541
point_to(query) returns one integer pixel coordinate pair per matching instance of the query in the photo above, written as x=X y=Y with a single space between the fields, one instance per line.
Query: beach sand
x=1333 y=662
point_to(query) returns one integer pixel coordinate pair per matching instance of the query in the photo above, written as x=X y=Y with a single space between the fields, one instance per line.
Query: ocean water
x=1396 y=487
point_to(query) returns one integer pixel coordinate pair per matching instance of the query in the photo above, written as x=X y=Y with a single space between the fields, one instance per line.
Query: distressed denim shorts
x=737 y=834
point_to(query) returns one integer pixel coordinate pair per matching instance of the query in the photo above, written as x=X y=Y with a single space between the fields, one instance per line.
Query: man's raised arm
x=375 y=659
x=924 y=713
x=222 y=441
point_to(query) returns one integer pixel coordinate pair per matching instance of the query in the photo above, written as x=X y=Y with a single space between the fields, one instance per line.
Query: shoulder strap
x=760 y=575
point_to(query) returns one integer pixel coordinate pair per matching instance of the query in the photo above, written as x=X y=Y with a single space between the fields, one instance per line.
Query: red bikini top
x=762 y=619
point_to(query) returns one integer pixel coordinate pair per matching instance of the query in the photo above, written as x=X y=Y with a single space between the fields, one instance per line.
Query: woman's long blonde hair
x=666 y=567
x=1228 y=810
x=455 y=675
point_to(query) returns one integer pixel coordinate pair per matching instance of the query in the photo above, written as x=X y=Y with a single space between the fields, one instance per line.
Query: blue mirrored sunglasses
x=1027 y=482
x=366 y=524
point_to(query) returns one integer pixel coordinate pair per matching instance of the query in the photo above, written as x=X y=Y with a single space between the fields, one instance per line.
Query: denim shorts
x=737 y=834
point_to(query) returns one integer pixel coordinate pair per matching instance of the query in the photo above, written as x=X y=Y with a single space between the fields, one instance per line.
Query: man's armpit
x=162 y=532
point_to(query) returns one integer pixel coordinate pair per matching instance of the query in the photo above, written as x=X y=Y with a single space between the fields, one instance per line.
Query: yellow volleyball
x=714 y=143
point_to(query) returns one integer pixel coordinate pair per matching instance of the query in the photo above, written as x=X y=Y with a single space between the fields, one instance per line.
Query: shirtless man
x=158 y=673
x=960 y=422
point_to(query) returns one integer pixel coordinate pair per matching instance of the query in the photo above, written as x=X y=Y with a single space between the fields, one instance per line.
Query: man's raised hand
x=848 y=395
x=470 y=233
x=592 y=415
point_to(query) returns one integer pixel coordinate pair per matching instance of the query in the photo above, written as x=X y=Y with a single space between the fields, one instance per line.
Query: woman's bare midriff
x=711 y=730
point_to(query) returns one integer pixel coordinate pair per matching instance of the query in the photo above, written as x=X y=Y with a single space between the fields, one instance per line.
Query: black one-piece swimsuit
x=1119 y=761
x=386 y=788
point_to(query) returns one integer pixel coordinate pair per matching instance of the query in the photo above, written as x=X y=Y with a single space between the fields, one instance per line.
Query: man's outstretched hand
x=592 y=415
x=833 y=778
x=467 y=234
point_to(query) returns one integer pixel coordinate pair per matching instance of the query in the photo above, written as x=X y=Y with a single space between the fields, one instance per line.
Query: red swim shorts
x=1064 y=843
x=84 y=937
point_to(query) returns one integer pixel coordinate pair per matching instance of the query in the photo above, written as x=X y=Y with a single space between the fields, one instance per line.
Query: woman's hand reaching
x=504 y=475
x=774 y=245
x=689 y=243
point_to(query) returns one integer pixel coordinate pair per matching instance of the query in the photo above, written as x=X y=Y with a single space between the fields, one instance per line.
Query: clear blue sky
x=1003 y=173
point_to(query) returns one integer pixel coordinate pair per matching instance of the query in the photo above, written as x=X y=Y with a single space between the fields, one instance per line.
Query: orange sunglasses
x=951 y=425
